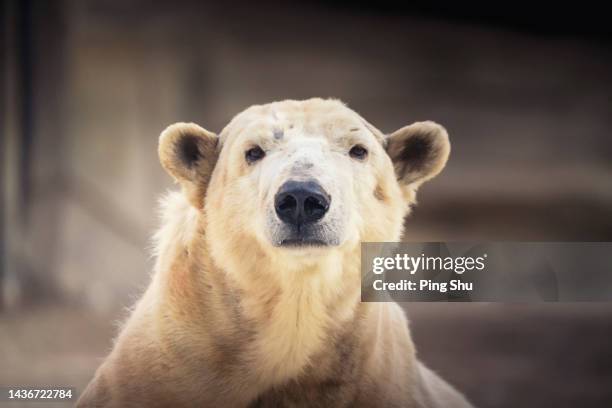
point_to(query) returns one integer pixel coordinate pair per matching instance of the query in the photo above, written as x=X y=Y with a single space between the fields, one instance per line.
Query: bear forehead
x=323 y=117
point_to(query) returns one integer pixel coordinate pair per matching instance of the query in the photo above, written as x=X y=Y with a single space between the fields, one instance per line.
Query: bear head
x=296 y=181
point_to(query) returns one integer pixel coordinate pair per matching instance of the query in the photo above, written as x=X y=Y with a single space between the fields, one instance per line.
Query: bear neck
x=295 y=314
x=281 y=323
x=278 y=325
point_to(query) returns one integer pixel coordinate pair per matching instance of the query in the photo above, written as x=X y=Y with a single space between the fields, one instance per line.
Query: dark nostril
x=287 y=203
x=301 y=202
x=287 y=208
x=315 y=207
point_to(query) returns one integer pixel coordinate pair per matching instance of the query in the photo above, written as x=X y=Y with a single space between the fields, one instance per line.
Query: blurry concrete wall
x=529 y=118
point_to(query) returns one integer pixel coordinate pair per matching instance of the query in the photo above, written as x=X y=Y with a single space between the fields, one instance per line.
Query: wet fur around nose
x=232 y=319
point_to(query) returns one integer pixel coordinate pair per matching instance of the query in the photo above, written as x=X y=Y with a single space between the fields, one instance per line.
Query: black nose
x=301 y=202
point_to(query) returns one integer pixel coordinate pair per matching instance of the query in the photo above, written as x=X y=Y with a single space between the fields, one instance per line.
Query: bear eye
x=358 y=152
x=254 y=154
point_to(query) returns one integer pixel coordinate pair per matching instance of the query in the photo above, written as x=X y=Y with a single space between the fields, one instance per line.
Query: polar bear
x=255 y=299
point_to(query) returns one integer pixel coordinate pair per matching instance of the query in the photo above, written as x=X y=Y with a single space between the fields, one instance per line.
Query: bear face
x=295 y=181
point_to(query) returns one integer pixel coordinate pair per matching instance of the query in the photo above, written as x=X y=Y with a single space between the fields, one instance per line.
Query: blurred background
x=88 y=85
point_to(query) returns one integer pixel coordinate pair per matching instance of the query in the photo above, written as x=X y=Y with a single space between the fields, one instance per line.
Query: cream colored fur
x=229 y=318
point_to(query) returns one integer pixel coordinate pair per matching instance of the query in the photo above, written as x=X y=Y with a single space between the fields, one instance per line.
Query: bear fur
x=232 y=318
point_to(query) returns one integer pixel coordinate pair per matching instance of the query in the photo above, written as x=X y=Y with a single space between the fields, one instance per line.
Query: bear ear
x=418 y=152
x=189 y=153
